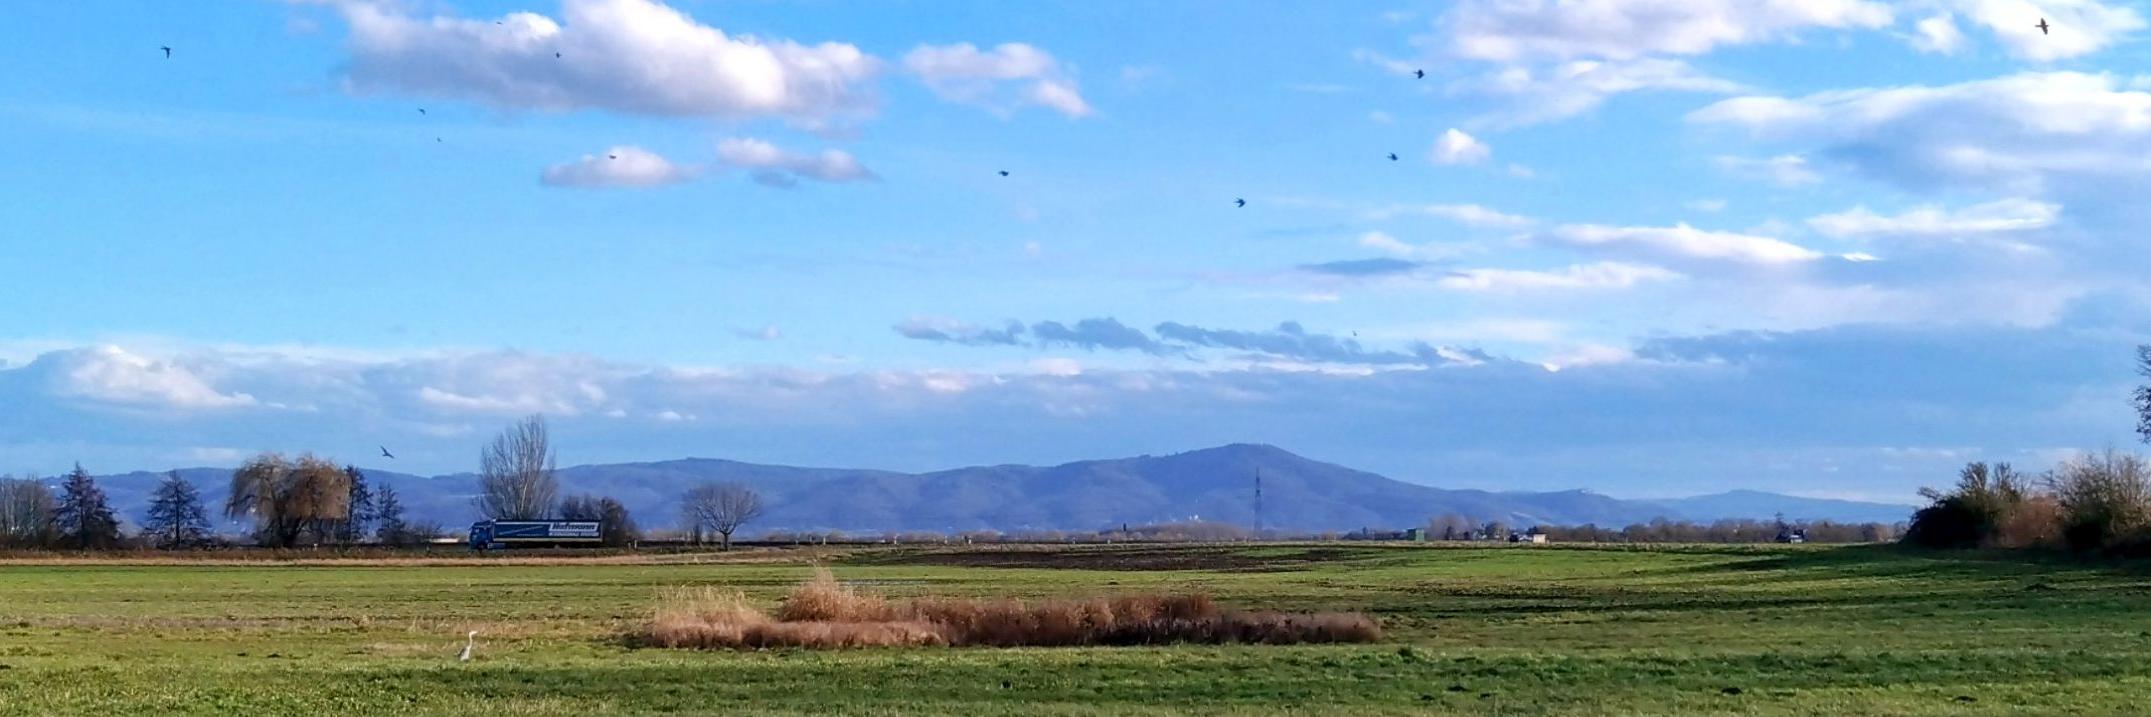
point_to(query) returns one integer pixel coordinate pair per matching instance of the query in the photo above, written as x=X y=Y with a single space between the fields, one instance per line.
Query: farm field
x=1792 y=630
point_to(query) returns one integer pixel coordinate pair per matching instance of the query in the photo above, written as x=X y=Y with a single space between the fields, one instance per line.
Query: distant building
x=1416 y=535
x=1527 y=537
x=1792 y=535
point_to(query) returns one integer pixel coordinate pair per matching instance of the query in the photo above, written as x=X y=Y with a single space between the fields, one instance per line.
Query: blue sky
x=1832 y=247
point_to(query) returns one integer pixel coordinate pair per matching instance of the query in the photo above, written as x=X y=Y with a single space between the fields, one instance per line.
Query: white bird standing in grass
x=469 y=641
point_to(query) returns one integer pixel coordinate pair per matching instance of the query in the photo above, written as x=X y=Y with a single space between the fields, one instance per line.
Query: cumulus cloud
x=630 y=56
x=773 y=166
x=1008 y=76
x=623 y=166
x=1785 y=170
x=2007 y=215
x=1601 y=275
x=1456 y=147
x=2020 y=132
x=1513 y=30
x=113 y=376
x=1683 y=241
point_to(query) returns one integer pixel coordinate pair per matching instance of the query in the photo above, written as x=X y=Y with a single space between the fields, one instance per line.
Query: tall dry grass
x=823 y=613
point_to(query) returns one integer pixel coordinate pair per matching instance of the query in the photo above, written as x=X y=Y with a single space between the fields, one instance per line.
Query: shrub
x=2104 y=499
x=822 y=613
x=2033 y=523
x=1971 y=514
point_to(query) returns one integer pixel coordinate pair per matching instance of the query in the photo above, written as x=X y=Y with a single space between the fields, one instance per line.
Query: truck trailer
x=499 y=534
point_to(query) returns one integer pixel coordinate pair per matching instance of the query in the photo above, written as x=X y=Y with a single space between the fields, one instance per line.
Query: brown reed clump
x=824 y=614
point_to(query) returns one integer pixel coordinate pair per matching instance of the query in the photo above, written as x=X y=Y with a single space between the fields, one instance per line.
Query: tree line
x=312 y=501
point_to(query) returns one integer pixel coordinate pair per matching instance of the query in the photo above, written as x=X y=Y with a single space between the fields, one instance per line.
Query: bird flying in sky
x=1392 y=156
x=2042 y=26
x=168 y=49
x=1239 y=202
x=1004 y=172
x=1421 y=74
x=386 y=454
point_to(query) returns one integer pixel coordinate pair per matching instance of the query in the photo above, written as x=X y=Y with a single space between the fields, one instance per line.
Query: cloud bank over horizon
x=1644 y=248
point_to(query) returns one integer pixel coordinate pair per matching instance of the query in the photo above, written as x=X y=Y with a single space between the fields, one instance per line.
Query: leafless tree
x=515 y=473
x=721 y=508
x=26 y=507
x=285 y=498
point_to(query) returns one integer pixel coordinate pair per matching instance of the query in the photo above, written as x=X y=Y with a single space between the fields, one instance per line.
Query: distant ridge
x=1217 y=484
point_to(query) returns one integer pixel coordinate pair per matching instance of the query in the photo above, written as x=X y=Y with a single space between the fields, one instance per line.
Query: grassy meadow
x=1792 y=630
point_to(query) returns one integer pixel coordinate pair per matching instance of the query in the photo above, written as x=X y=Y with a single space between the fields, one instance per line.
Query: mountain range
x=1213 y=484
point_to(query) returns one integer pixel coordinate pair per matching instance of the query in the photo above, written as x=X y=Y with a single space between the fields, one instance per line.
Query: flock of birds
x=470 y=641
x=2044 y=29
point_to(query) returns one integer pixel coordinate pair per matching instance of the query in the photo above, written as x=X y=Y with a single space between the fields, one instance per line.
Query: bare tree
x=515 y=473
x=285 y=498
x=26 y=508
x=721 y=508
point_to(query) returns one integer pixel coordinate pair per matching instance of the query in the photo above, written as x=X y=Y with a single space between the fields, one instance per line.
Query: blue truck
x=498 y=534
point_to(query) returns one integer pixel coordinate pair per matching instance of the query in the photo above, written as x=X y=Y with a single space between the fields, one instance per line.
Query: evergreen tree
x=176 y=517
x=83 y=517
x=389 y=527
x=353 y=529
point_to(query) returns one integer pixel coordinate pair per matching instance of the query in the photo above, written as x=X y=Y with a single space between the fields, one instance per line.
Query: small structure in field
x=1528 y=537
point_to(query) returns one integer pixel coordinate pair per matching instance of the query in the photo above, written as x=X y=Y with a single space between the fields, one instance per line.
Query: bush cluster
x=2092 y=503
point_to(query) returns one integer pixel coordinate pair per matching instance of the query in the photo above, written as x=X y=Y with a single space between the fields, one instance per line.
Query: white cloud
x=1785 y=170
x=2016 y=132
x=1684 y=241
x=1587 y=355
x=1383 y=242
x=2007 y=215
x=1513 y=30
x=1456 y=147
x=631 y=56
x=1472 y=215
x=1601 y=275
x=624 y=166
x=1008 y=76
x=2074 y=27
x=1938 y=34
x=776 y=167
x=114 y=376
x=1572 y=88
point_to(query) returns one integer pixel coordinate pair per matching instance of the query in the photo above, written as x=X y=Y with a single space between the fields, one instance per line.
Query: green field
x=1794 y=630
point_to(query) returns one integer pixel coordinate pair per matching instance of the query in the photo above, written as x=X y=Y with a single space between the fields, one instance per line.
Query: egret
x=469 y=641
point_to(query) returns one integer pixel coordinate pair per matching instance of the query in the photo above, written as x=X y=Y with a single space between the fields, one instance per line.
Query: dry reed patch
x=822 y=613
